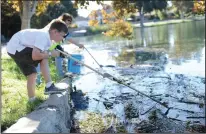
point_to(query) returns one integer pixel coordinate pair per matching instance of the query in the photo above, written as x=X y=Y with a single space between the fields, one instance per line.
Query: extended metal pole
x=93 y=57
x=106 y=75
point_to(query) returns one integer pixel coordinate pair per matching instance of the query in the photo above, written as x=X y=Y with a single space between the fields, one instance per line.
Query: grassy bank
x=165 y=22
x=14 y=93
x=96 y=29
x=149 y=24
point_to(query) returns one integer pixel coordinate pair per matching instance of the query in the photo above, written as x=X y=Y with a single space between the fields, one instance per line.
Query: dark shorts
x=24 y=61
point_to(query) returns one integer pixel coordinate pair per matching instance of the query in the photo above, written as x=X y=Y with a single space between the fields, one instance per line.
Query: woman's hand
x=81 y=46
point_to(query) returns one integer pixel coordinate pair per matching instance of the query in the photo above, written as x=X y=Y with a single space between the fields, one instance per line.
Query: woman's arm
x=76 y=43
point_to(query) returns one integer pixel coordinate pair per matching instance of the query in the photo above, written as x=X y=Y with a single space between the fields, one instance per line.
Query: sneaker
x=53 y=89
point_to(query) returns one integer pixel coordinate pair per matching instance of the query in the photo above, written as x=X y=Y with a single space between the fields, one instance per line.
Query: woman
x=67 y=18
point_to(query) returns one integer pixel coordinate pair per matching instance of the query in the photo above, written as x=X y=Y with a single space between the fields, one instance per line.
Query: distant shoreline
x=164 y=22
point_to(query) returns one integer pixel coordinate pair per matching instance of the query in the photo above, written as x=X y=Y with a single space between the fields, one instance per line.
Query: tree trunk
x=141 y=17
x=25 y=18
x=142 y=36
x=28 y=10
x=181 y=14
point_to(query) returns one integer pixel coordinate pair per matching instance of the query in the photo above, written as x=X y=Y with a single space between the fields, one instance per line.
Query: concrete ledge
x=52 y=116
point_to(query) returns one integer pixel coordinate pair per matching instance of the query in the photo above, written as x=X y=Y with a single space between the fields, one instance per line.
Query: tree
x=158 y=6
x=53 y=11
x=10 y=20
x=183 y=6
x=26 y=9
x=93 y=18
x=69 y=7
x=120 y=28
x=123 y=8
x=85 y=3
x=142 y=7
x=199 y=7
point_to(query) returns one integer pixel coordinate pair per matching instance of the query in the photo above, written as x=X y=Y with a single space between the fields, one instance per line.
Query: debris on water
x=92 y=123
x=97 y=123
x=145 y=127
x=96 y=99
x=109 y=66
x=196 y=128
x=153 y=115
x=108 y=105
x=79 y=100
x=159 y=124
x=131 y=111
x=182 y=94
x=75 y=89
x=121 y=129
x=166 y=95
x=178 y=91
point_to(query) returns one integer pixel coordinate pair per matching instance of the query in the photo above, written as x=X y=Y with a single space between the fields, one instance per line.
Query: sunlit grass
x=14 y=92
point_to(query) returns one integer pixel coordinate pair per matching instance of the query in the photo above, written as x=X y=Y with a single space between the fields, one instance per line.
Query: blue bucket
x=74 y=66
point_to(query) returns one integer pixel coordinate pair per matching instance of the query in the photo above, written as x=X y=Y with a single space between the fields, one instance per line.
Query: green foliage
x=199 y=7
x=10 y=20
x=93 y=23
x=69 y=7
x=6 y=9
x=150 y=5
x=123 y=8
x=161 y=15
x=159 y=4
x=97 y=29
x=120 y=28
x=84 y=3
x=183 y=7
x=9 y=64
x=53 y=11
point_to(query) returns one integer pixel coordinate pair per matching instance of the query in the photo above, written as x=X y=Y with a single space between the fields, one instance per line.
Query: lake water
x=183 y=45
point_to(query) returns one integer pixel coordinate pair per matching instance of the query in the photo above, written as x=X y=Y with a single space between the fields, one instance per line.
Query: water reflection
x=195 y=65
x=183 y=42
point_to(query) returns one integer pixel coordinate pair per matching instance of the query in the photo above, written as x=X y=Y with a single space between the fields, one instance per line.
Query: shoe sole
x=54 y=92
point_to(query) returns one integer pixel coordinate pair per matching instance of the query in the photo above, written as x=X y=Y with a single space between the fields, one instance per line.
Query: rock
x=50 y=117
